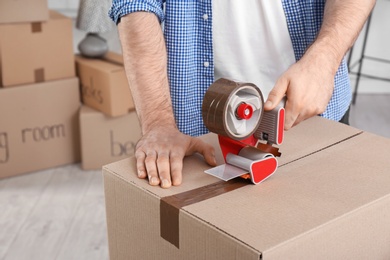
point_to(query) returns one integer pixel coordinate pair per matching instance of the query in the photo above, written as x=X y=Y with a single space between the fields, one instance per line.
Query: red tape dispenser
x=246 y=133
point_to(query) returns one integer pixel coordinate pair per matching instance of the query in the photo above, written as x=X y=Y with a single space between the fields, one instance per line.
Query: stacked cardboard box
x=329 y=199
x=12 y=11
x=40 y=114
x=39 y=91
x=104 y=84
x=36 y=52
x=109 y=125
x=106 y=139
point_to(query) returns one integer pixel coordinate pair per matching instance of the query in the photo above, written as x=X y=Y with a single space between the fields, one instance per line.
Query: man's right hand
x=160 y=154
x=161 y=150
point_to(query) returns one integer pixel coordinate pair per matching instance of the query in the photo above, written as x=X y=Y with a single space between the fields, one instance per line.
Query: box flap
x=309 y=137
x=37 y=52
x=303 y=196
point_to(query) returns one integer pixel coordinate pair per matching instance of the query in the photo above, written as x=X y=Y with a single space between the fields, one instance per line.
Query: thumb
x=277 y=93
x=204 y=149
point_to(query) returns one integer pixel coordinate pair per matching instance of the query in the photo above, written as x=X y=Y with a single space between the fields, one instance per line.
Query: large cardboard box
x=104 y=85
x=12 y=11
x=106 y=139
x=329 y=199
x=39 y=126
x=36 y=52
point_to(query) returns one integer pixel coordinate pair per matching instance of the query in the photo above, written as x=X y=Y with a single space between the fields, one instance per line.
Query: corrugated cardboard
x=329 y=199
x=104 y=84
x=106 y=139
x=36 y=52
x=39 y=126
x=12 y=11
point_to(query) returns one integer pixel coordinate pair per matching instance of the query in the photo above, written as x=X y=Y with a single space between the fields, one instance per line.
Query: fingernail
x=268 y=104
x=154 y=181
x=140 y=173
x=165 y=183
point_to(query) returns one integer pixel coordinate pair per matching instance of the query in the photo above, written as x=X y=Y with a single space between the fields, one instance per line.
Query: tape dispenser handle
x=271 y=128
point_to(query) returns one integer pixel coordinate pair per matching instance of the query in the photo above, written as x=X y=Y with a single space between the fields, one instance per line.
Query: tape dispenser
x=246 y=133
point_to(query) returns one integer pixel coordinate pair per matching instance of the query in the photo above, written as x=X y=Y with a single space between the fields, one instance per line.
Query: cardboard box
x=36 y=52
x=12 y=11
x=329 y=199
x=104 y=85
x=39 y=126
x=106 y=139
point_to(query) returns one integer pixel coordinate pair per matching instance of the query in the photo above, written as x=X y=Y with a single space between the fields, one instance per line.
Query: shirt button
x=206 y=64
x=205 y=17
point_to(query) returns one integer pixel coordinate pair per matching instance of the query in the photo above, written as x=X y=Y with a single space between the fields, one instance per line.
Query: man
x=170 y=71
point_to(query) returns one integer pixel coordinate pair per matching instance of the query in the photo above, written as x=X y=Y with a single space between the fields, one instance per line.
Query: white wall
x=378 y=46
x=68 y=7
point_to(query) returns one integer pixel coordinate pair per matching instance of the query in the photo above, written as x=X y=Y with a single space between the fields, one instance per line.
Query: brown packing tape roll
x=215 y=107
x=170 y=206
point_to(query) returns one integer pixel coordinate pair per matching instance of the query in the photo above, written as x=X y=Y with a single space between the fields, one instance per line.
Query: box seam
x=322 y=149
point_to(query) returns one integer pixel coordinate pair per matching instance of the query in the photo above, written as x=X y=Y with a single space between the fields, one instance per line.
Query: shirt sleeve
x=121 y=8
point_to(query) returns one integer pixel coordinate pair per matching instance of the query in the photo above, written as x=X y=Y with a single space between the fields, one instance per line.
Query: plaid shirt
x=188 y=36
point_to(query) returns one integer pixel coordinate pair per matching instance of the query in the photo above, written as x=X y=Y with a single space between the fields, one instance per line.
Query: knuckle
x=176 y=156
x=162 y=159
x=273 y=95
x=150 y=154
x=139 y=155
x=164 y=174
x=149 y=160
x=152 y=173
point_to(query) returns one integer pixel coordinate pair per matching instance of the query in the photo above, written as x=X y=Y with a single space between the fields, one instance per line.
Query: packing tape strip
x=39 y=75
x=170 y=206
x=36 y=27
x=215 y=107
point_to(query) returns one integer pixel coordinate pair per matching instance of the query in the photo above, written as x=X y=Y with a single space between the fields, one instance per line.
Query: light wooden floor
x=53 y=214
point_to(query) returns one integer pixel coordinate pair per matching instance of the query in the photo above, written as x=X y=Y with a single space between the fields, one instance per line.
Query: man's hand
x=160 y=154
x=161 y=150
x=308 y=85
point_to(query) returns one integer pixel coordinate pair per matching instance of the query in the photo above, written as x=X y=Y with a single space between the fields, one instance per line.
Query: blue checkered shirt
x=190 y=51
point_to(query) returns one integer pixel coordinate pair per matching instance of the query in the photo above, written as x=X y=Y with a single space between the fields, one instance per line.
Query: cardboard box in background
x=104 y=85
x=12 y=11
x=106 y=139
x=329 y=199
x=39 y=126
x=36 y=52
